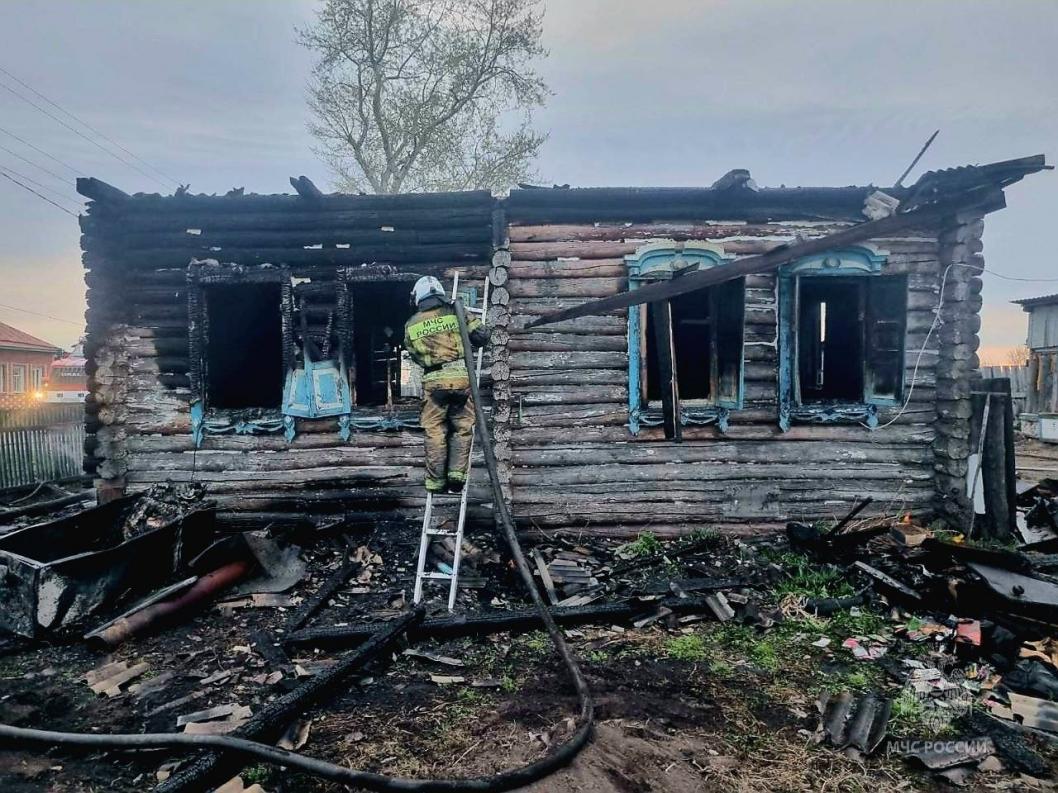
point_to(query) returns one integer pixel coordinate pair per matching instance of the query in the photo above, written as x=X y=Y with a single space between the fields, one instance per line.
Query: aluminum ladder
x=429 y=531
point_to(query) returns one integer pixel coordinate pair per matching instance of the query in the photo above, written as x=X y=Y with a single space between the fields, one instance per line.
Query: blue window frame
x=707 y=330
x=842 y=324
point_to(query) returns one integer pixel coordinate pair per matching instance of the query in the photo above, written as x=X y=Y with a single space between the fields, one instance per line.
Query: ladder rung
x=438 y=576
x=440 y=533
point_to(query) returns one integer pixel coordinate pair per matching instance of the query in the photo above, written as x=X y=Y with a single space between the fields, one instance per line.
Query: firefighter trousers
x=448 y=419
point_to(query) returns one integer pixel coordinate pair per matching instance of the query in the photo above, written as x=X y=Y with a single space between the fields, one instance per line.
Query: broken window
x=706 y=328
x=842 y=328
x=244 y=346
x=379 y=311
x=240 y=345
x=850 y=338
x=684 y=354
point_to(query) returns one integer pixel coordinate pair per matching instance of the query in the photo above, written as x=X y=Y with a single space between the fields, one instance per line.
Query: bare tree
x=414 y=95
x=1016 y=356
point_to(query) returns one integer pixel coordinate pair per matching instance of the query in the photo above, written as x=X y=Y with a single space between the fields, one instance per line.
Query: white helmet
x=426 y=287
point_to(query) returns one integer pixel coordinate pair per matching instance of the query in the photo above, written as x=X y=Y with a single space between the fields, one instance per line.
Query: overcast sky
x=668 y=92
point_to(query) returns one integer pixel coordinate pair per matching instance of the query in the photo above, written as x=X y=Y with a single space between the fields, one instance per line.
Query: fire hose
x=559 y=756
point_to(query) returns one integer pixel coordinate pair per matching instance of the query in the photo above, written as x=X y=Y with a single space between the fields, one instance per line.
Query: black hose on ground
x=506 y=780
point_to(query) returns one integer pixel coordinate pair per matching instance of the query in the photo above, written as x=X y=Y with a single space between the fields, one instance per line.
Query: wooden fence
x=1043 y=381
x=40 y=443
x=1020 y=384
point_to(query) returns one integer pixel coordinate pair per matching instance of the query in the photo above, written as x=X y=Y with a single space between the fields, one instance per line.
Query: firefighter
x=432 y=339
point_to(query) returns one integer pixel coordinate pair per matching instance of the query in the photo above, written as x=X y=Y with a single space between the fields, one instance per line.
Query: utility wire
x=44 y=187
x=38 y=195
x=86 y=125
x=38 y=314
x=25 y=142
x=80 y=134
x=51 y=173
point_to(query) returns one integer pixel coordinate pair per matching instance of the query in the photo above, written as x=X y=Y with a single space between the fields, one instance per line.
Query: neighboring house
x=25 y=362
x=795 y=392
x=1042 y=393
x=68 y=381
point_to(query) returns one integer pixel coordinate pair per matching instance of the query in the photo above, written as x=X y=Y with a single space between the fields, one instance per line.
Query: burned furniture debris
x=58 y=572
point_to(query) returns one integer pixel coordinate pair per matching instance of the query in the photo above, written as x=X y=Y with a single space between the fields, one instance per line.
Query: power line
x=86 y=125
x=1016 y=278
x=14 y=153
x=80 y=134
x=25 y=142
x=44 y=187
x=38 y=314
x=38 y=195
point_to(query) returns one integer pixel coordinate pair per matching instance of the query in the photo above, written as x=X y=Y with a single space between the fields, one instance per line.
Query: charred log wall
x=570 y=461
x=136 y=254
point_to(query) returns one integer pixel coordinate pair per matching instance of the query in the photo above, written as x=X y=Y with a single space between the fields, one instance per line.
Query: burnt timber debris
x=868 y=465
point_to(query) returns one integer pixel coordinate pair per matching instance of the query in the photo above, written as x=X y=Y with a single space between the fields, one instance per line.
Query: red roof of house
x=13 y=338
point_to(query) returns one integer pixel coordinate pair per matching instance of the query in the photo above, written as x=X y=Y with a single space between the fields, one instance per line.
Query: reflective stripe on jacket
x=432 y=339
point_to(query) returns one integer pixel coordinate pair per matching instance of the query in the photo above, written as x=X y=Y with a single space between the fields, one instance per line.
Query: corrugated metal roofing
x=1042 y=300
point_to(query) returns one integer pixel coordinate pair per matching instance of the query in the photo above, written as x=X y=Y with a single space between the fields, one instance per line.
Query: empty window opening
x=244 y=346
x=830 y=343
x=707 y=342
x=850 y=338
x=380 y=311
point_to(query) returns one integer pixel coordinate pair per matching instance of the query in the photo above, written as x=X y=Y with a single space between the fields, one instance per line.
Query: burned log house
x=793 y=390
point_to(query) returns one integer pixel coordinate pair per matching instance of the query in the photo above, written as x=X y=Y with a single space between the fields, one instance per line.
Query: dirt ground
x=692 y=707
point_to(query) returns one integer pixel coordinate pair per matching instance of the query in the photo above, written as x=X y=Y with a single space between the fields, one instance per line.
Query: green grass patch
x=866 y=623
x=537 y=642
x=908 y=716
x=646 y=544
x=686 y=648
x=806 y=577
x=255 y=774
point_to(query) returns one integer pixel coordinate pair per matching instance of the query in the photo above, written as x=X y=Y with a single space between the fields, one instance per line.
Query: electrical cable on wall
x=937 y=321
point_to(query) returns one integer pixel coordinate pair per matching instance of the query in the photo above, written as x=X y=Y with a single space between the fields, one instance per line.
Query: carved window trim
x=855 y=261
x=663 y=260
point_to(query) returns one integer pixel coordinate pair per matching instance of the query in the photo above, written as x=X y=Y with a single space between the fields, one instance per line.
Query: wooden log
x=565 y=287
x=484 y=624
x=287 y=204
x=207 y=240
x=621 y=475
x=571 y=395
x=569 y=360
x=205 y=220
x=536 y=342
x=535 y=378
x=360 y=254
x=594 y=268
x=900 y=433
x=733 y=452
x=650 y=231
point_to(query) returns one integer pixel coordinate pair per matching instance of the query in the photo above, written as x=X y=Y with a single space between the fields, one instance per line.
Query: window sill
x=368 y=419
x=690 y=416
x=839 y=413
x=256 y=421
x=246 y=421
